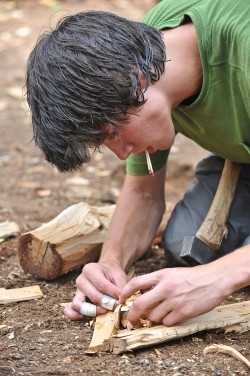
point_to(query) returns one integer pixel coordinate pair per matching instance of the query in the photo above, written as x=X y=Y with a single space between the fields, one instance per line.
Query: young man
x=98 y=79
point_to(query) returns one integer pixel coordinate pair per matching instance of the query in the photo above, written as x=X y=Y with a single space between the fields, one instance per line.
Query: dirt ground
x=36 y=339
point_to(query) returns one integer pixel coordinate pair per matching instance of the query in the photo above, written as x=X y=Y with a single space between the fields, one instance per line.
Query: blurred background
x=36 y=339
x=32 y=191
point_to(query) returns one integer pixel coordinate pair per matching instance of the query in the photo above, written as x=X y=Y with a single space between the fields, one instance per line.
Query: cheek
x=110 y=144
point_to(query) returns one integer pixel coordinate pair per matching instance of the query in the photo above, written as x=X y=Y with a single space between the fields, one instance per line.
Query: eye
x=114 y=137
x=113 y=132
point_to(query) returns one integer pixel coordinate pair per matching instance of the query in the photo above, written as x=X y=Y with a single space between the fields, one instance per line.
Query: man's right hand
x=96 y=280
x=135 y=221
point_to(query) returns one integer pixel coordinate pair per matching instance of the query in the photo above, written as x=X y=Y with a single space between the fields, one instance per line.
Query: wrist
x=110 y=257
x=123 y=255
x=234 y=270
x=239 y=268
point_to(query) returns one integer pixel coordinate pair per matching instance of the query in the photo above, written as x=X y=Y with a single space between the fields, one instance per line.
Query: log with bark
x=68 y=241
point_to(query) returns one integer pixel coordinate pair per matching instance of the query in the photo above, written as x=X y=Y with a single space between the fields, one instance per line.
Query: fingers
x=156 y=303
x=143 y=283
x=71 y=314
x=102 y=282
x=144 y=306
x=156 y=309
x=172 y=318
x=144 y=303
x=94 y=286
x=173 y=295
x=108 y=302
x=74 y=309
x=86 y=289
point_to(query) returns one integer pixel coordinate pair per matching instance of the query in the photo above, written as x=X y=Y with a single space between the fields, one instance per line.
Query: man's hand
x=96 y=280
x=174 y=295
x=135 y=221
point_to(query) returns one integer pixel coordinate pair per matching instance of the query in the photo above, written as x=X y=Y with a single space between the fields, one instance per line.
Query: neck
x=182 y=78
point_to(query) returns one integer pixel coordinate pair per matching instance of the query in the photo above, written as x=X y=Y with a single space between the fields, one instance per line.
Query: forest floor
x=36 y=338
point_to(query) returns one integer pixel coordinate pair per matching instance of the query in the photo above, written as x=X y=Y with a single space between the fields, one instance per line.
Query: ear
x=143 y=81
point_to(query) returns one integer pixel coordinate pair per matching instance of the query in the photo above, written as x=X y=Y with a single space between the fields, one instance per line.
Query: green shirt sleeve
x=137 y=164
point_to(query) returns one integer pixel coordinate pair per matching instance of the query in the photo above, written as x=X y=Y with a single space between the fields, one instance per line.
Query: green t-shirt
x=219 y=119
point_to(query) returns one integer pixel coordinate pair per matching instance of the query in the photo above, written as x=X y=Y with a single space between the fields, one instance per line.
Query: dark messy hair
x=82 y=78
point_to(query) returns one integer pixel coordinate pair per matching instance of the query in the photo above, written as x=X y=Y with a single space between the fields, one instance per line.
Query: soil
x=36 y=338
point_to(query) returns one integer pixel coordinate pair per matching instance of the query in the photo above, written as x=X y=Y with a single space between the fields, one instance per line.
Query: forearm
x=235 y=267
x=137 y=216
x=132 y=229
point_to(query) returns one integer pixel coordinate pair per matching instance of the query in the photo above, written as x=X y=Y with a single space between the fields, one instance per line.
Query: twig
x=227 y=350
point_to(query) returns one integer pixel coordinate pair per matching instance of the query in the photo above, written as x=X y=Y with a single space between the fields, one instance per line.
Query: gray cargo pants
x=190 y=212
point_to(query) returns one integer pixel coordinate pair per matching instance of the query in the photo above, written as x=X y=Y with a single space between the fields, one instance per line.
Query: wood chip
x=43 y=192
x=19 y=294
x=105 y=327
x=8 y=229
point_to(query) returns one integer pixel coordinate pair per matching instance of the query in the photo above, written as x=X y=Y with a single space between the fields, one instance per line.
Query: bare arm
x=137 y=216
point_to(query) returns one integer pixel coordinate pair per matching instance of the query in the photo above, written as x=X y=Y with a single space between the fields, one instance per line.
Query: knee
x=172 y=250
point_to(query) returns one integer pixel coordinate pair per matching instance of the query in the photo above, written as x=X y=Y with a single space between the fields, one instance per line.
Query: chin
x=166 y=147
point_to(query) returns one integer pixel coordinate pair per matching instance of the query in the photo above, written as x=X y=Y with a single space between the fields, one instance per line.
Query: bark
x=68 y=241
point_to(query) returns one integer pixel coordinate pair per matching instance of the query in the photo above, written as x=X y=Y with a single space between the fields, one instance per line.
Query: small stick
x=227 y=350
x=150 y=167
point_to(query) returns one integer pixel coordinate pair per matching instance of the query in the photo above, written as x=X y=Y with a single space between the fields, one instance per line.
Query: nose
x=120 y=148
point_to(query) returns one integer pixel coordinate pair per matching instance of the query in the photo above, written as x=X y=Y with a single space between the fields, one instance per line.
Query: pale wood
x=19 y=294
x=213 y=229
x=105 y=326
x=8 y=229
x=68 y=241
x=108 y=324
x=227 y=350
x=227 y=317
x=238 y=328
x=220 y=317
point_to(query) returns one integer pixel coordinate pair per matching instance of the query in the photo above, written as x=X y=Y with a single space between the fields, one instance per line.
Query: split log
x=68 y=241
x=219 y=318
x=19 y=294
